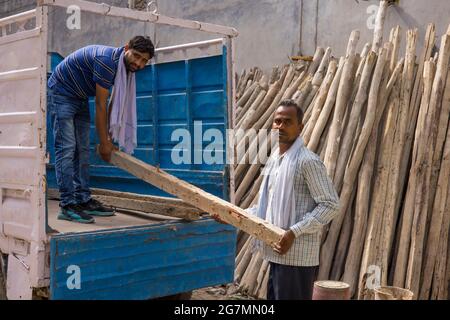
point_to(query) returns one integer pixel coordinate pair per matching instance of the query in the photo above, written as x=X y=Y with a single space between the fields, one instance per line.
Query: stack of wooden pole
x=380 y=124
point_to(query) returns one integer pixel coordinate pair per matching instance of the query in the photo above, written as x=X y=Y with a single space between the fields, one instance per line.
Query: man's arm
x=323 y=193
x=101 y=123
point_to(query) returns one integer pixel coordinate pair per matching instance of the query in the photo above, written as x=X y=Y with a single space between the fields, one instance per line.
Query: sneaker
x=95 y=208
x=74 y=212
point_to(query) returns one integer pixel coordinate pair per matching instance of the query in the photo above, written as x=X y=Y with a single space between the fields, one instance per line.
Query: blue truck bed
x=170 y=257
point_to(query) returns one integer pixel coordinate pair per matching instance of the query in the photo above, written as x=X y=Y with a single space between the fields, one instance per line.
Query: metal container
x=331 y=290
x=393 y=293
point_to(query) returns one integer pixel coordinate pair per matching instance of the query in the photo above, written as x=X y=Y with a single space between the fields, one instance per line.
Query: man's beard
x=128 y=65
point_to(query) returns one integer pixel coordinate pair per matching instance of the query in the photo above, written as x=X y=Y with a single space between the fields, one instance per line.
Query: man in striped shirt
x=87 y=72
x=294 y=260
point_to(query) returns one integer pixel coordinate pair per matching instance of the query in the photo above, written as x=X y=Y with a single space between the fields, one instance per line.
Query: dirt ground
x=222 y=292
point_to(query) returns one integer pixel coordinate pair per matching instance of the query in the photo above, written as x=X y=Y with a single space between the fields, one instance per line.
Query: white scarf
x=283 y=201
x=123 y=120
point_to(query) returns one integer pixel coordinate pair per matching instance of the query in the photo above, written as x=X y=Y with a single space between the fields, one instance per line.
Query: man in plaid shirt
x=294 y=260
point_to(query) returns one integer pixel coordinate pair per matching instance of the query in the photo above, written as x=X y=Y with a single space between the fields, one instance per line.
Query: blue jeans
x=70 y=122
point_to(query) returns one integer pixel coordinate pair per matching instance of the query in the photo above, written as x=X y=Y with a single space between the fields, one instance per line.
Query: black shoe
x=95 y=208
x=74 y=212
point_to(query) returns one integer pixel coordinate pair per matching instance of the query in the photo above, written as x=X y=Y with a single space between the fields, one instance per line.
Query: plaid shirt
x=316 y=205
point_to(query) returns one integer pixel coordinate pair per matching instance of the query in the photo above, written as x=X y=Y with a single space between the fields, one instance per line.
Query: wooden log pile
x=381 y=125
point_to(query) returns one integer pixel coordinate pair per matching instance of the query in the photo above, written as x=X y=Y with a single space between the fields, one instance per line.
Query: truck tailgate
x=142 y=262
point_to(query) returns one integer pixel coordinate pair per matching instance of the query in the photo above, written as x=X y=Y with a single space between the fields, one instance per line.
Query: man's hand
x=285 y=243
x=217 y=218
x=105 y=149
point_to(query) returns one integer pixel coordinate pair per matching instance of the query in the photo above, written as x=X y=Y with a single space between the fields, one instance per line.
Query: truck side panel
x=22 y=158
x=171 y=96
x=168 y=258
x=142 y=263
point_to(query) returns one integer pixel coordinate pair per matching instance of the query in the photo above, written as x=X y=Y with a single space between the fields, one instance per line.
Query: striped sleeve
x=323 y=193
x=104 y=72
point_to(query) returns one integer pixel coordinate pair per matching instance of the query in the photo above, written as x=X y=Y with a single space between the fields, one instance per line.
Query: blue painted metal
x=167 y=258
x=143 y=262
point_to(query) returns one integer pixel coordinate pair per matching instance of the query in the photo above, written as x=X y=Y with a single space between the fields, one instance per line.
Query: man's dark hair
x=142 y=44
x=291 y=103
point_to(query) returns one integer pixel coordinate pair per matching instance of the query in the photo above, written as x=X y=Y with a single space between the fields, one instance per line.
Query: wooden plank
x=53 y=193
x=150 y=207
x=142 y=197
x=199 y=198
x=149 y=204
x=120 y=220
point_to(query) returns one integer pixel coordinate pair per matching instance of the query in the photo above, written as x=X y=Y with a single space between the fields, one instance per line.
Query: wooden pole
x=379 y=27
x=353 y=262
x=344 y=91
x=395 y=39
x=441 y=276
x=414 y=110
x=326 y=110
x=318 y=55
x=320 y=101
x=426 y=187
x=372 y=252
x=253 y=193
x=437 y=220
x=408 y=209
x=355 y=115
x=415 y=248
x=353 y=167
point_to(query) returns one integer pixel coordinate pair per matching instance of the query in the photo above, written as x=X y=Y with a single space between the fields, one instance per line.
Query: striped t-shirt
x=77 y=75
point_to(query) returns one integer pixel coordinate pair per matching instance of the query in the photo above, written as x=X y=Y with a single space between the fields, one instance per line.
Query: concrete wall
x=8 y=7
x=94 y=29
x=338 y=18
x=270 y=30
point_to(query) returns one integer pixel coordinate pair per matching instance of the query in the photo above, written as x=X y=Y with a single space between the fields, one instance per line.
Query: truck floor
x=121 y=219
